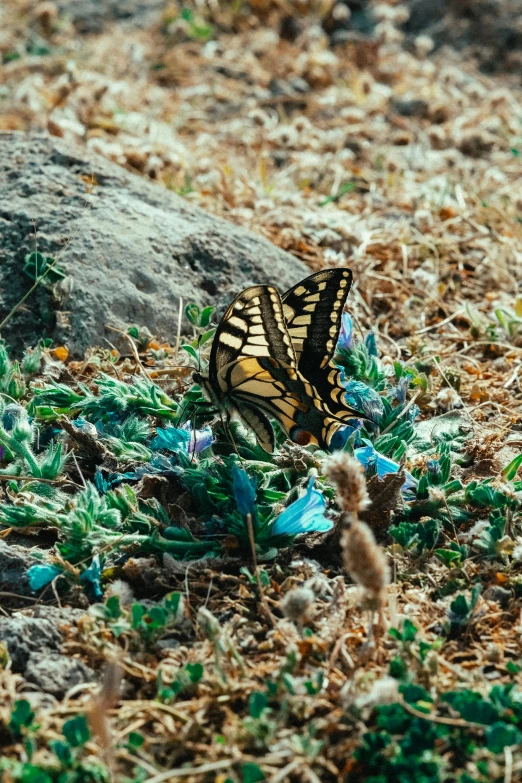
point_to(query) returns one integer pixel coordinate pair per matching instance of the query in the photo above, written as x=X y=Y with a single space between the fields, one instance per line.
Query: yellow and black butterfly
x=253 y=372
x=313 y=310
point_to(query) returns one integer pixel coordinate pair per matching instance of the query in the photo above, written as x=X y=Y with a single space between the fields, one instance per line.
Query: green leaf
x=346 y=187
x=22 y=716
x=135 y=740
x=206 y=336
x=62 y=750
x=76 y=731
x=206 y=315
x=112 y=607
x=256 y=704
x=32 y=774
x=194 y=671
x=192 y=312
x=409 y=630
x=36 y=266
x=448 y=557
x=500 y=735
x=511 y=470
x=191 y=351
x=252 y=773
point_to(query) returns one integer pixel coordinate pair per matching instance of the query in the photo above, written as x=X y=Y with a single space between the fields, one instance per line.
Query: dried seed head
x=383 y=691
x=210 y=627
x=122 y=589
x=365 y=561
x=297 y=603
x=436 y=495
x=448 y=399
x=348 y=477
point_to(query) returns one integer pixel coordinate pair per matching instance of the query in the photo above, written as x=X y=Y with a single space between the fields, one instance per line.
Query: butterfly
x=253 y=371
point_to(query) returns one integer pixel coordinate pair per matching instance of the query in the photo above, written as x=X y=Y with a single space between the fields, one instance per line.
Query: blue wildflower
x=91 y=577
x=185 y=439
x=368 y=457
x=363 y=398
x=171 y=439
x=412 y=414
x=244 y=491
x=345 y=340
x=401 y=389
x=86 y=427
x=371 y=344
x=41 y=574
x=12 y=413
x=305 y=515
x=340 y=438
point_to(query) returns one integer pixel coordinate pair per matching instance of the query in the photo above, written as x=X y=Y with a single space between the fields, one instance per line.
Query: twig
x=262 y=598
x=186 y=772
x=178 y=333
x=465 y=724
x=440 y=323
x=508 y=764
x=12 y=477
x=133 y=348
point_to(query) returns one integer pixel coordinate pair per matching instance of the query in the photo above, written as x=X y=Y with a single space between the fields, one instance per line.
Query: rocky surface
x=135 y=248
x=55 y=673
x=491 y=31
x=14 y=562
x=91 y=16
x=24 y=636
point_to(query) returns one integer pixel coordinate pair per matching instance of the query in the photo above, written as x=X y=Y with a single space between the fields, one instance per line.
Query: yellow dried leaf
x=61 y=353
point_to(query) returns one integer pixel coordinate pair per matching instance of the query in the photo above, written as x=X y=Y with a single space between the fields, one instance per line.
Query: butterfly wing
x=313 y=310
x=253 y=325
x=253 y=367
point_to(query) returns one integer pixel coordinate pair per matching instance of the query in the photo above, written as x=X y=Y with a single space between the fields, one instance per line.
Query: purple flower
x=305 y=515
x=183 y=438
x=199 y=439
x=344 y=343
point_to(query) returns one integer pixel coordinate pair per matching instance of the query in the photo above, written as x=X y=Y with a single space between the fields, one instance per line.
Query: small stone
x=498 y=594
x=24 y=636
x=413 y=107
x=56 y=674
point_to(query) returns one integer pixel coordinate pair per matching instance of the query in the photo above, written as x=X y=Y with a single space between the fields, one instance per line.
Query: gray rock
x=55 y=673
x=133 y=253
x=410 y=107
x=14 y=562
x=26 y=635
x=498 y=594
x=91 y=16
x=64 y=615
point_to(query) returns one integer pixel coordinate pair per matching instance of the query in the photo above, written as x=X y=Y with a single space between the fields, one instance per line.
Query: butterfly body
x=253 y=373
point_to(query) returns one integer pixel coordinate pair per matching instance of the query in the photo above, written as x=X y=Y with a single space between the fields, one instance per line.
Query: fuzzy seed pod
x=364 y=560
x=122 y=589
x=347 y=474
x=297 y=603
